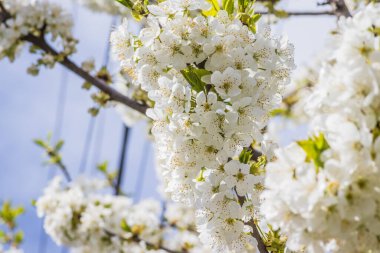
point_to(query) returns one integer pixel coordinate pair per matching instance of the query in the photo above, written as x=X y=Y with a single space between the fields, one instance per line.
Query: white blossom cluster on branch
x=37 y=18
x=323 y=193
x=213 y=82
x=84 y=218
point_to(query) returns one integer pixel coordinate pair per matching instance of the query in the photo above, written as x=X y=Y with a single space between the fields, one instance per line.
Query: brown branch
x=339 y=6
x=255 y=232
x=100 y=84
x=138 y=240
x=302 y=13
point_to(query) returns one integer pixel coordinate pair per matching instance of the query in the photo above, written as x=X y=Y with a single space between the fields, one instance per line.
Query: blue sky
x=29 y=109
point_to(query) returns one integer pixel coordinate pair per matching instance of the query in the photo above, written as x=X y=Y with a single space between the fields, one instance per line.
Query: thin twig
x=60 y=164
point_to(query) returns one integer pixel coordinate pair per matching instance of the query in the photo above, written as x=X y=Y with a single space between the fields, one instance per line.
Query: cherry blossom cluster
x=83 y=217
x=213 y=82
x=21 y=18
x=323 y=193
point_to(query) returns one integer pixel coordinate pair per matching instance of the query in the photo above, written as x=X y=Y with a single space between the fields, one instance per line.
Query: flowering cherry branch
x=40 y=42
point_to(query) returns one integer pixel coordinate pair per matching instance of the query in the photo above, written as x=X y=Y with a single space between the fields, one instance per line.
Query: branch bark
x=339 y=6
x=255 y=232
x=138 y=240
x=100 y=84
x=302 y=13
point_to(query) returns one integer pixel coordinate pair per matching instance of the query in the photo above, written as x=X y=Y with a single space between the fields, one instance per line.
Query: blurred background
x=31 y=107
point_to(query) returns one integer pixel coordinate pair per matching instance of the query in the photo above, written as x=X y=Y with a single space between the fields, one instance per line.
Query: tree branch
x=339 y=6
x=302 y=13
x=100 y=84
x=255 y=232
x=138 y=240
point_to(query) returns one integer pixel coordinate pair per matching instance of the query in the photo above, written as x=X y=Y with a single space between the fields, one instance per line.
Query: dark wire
x=98 y=143
x=93 y=120
x=123 y=154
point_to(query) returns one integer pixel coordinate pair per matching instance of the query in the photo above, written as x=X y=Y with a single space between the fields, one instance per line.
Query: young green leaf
x=229 y=6
x=213 y=10
x=194 y=77
x=314 y=147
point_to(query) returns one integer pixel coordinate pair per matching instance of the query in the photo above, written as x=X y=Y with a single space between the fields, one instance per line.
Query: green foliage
x=124 y=225
x=8 y=217
x=138 y=7
x=245 y=156
x=375 y=30
x=52 y=151
x=257 y=165
x=274 y=241
x=246 y=14
x=194 y=77
x=86 y=85
x=213 y=10
x=314 y=148
x=94 y=111
x=109 y=175
x=126 y=3
x=9 y=214
x=229 y=6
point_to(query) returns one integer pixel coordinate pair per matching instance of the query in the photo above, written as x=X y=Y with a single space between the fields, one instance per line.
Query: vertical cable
x=93 y=120
x=98 y=143
x=120 y=172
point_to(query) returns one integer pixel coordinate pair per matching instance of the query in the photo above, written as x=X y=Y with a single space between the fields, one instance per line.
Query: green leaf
x=125 y=226
x=18 y=238
x=59 y=145
x=126 y=3
x=194 y=77
x=40 y=143
x=375 y=30
x=213 y=10
x=3 y=237
x=93 y=111
x=314 y=147
x=281 y=14
x=229 y=6
x=245 y=156
x=103 y=167
x=86 y=85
